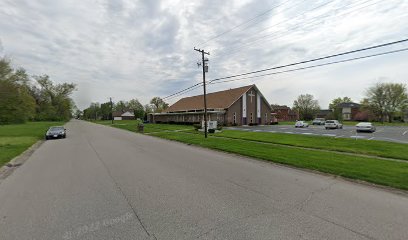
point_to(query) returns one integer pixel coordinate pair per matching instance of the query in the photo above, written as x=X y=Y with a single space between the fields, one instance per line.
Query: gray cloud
x=140 y=49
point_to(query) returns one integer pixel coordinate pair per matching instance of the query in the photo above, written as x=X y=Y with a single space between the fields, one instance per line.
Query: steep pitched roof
x=220 y=100
x=348 y=104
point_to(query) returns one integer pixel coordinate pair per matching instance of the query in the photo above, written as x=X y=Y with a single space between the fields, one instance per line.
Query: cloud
x=141 y=49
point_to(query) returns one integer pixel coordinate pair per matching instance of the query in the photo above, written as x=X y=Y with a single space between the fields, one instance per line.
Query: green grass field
x=16 y=138
x=383 y=172
x=131 y=125
x=374 y=148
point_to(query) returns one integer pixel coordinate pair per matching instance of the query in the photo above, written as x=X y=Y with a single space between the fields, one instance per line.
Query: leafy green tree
x=16 y=103
x=121 y=106
x=307 y=106
x=136 y=107
x=386 y=99
x=53 y=100
x=105 y=111
x=158 y=104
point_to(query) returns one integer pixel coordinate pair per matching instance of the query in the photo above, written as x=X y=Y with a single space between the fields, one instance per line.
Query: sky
x=128 y=49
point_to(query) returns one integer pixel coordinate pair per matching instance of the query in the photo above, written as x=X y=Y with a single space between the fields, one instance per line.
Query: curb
x=19 y=160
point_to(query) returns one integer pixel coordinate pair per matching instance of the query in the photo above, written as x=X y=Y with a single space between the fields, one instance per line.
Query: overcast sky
x=140 y=49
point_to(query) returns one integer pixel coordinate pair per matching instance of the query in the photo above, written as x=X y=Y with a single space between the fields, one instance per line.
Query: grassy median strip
x=360 y=146
x=383 y=172
x=131 y=125
x=16 y=138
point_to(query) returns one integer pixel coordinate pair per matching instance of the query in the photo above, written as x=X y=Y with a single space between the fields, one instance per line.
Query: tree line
x=103 y=111
x=32 y=98
x=382 y=102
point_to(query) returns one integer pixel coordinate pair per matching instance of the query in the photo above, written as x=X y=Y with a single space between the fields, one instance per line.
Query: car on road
x=365 y=127
x=301 y=124
x=333 y=124
x=318 y=121
x=56 y=132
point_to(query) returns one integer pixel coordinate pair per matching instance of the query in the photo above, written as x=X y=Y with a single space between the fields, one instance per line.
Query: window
x=252 y=118
x=235 y=117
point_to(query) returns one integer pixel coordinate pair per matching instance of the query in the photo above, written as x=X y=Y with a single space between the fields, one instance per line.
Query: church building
x=238 y=106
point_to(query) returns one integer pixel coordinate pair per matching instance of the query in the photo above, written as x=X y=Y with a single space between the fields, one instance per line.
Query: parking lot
x=383 y=133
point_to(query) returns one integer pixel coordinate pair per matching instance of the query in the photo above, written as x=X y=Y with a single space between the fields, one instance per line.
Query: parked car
x=318 y=121
x=56 y=132
x=365 y=127
x=333 y=124
x=301 y=124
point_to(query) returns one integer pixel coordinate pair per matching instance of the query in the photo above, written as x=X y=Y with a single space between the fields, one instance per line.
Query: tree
x=121 y=106
x=333 y=106
x=54 y=102
x=136 y=107
x=16 y=103
x=387 y=99
x=158 y=104
x=307 y=106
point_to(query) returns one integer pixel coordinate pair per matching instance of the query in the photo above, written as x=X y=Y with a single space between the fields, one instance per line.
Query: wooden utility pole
x=205 y=69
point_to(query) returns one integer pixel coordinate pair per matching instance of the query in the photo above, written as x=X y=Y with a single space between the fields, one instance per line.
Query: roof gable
x=215 y=100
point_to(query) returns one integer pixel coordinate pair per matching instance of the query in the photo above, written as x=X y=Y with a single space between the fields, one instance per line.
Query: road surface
x=397 y=134
x=107 y=183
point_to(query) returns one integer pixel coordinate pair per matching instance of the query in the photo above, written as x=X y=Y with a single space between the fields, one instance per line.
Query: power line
x=316 y=59
x=243 y=23
x=277 y=34
x=197 y=85
x=313 y=66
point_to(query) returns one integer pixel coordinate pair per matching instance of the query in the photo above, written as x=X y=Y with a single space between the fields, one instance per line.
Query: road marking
x=257 y=130
x=357 y=136
x=309 y=133
x=405 y=133
x=283 y=128
x=339 y=136
x=371 y=138
x=329 y=135
x=289 y=132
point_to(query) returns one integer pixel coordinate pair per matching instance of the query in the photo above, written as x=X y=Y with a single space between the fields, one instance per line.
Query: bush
x=219 y=127
x=253 y=124
x=197 y=127
x=211 y=130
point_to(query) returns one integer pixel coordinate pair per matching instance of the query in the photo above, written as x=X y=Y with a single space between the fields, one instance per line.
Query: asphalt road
x=386 y=133
x=107 y=183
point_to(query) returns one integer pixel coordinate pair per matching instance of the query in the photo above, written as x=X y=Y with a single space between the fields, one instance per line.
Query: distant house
x=284 y=113
x=348 y=110
x=118 y=115
x=324 y=113
x=238 y=106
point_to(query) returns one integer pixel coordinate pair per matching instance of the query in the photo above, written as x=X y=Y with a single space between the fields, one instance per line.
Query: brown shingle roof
x=222 y=99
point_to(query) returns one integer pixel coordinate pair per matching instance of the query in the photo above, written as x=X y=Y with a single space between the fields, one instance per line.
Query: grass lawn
x=16 y=138
x=131 y=125
x=389 y=173
x=361 y=146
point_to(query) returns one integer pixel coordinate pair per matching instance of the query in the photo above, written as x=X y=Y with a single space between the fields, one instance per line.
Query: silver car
x=365 y=127
x=333 y=124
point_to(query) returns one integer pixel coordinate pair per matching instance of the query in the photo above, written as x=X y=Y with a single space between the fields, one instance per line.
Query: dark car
x=56 y=132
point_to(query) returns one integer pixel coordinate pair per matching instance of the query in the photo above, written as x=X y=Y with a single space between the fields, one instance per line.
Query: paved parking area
x=386 y=133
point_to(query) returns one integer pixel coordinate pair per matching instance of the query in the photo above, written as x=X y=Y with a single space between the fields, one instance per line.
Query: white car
x=365 y=127
x=333 y=124
x=301 y=124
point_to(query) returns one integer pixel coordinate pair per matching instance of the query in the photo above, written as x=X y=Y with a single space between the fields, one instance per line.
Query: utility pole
x=205 y=69
x=111 y=103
